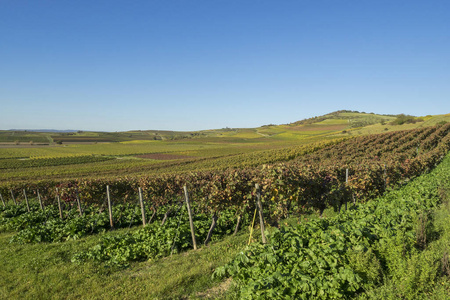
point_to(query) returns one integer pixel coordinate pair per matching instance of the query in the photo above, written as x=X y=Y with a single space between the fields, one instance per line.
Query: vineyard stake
x=59 y=204
x=237 y=225
x=26 y=200
x=79 y=203
x=191 y=223
x=12 y=196
x=346 y=184
x=111 y=222
x=251 y=229
x=40 y=200
x=3 y=201
x=261 y=218
x=141 y=201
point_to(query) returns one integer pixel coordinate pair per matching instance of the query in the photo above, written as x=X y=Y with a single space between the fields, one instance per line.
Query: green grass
x=419 y=274
x=44 y=271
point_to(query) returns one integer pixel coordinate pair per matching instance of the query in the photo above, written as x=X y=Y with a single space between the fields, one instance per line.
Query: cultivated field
x=353 y=205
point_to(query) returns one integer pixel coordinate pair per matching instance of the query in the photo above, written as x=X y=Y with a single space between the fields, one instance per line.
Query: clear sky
x=201 y=64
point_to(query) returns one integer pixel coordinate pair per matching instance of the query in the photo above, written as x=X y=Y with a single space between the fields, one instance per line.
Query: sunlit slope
x=345 y=123
x=387 y=126
x=323 y=126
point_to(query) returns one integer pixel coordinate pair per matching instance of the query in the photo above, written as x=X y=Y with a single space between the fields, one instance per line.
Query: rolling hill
x=343 y=122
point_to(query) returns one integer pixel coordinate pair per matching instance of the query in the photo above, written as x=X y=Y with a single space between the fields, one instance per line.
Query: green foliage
x=156 y=240
x=46 y=225
x=366 y=264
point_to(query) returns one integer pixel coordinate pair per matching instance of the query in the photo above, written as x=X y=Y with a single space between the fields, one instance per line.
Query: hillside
x=339 y=122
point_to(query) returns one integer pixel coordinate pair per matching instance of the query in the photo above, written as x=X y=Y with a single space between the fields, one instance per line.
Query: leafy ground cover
x=169 y=231
x=47 y=226
x=156 y=240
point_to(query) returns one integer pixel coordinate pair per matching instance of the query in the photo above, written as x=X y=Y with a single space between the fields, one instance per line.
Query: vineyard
x=289 y=182
x=52 y=161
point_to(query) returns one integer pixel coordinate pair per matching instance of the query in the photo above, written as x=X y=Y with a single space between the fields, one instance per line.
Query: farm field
x=322 y=176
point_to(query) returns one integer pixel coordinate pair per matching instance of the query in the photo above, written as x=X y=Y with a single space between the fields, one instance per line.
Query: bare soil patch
x=216 y=291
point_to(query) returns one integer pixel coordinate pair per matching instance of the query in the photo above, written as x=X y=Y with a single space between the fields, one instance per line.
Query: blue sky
x=202 y=64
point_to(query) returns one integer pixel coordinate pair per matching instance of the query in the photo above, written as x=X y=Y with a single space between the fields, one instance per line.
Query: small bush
x=406 y=119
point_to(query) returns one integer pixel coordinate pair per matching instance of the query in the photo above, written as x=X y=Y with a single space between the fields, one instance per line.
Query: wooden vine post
x=3 y=201
x=59 y=204
x=238 y=222
x=141 y=201
x=191 y=223
x=26 y=200
x=251 y=228
x=346 y=183
x=40 y=200
x=111 y=222
x=261 y=217
x=79 y=203
x=12 y=196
